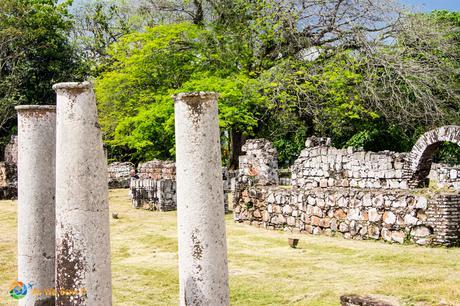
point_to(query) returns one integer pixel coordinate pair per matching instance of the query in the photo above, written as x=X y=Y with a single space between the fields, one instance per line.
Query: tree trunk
x=236 y=141
x=198 y=17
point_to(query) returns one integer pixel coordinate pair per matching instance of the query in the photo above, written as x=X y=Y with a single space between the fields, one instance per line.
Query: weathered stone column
x=36 y=214
x=203 y=272
x=83 y=275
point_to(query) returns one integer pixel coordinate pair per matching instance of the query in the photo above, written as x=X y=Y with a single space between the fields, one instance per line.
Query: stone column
x=203 y=272
x=83 y=275
x=36 y=187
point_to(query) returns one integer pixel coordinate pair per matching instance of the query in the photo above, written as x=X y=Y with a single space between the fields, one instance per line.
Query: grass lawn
x=263 y=269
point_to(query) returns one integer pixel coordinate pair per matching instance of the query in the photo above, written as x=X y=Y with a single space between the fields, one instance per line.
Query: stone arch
x=420 y=158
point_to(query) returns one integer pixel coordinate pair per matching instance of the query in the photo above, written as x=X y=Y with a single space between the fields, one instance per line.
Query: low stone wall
x=444 y=217
x=11 y=151
x=320 y=165
x=259 y=163
x=8 y=181
x=8 y=171
x=441 y=175
x=119 y=174
x=154 y=195
x=155 y=188
x=157 y=170
x=160 y=194
x=392 y=215
x=445 y=176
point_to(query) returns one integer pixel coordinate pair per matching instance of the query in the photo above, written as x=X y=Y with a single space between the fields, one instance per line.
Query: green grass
x=263 y=269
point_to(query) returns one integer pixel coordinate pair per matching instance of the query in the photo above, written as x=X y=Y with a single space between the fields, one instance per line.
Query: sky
x=430 y=5
x=420 y=5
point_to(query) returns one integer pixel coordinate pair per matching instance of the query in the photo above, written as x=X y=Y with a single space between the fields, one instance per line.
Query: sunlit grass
x=263 y=269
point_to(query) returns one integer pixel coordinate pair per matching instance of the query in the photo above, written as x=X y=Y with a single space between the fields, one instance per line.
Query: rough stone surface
x=419 y=164
x=355 y=300
x=8 y=181
x=82 y=212
x=203 y=271
x=8 y=171
x=154 y=195
x=157 y=170
x=160 y=194
x=321 y=165
x=11 y=151
x=119 y=174
x=260 y=164
x=396 y=222
x=36 y=186
x=395 y=215
x=445 y=176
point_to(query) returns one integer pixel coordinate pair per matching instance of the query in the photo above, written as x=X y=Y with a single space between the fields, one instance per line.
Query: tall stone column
x=203 y=272
x=83 y=275
x=36 y=188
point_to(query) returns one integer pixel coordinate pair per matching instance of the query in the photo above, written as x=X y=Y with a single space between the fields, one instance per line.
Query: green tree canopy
x=363 y=83
x=134 y=93
x=35 y=53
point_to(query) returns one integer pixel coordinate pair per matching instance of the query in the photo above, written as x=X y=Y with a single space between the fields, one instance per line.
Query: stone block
x=421 y=231
x=291 y=221
x=343 y=227
x=340 y=214
x=422 y=203
x=287 y=210
x=316 y=221
x=410 y=220
x=386 y=234
x=389 y=217
x=373 y=215
x=373 y=232
x=323 y=183
x=354 y=214
x=398 y=236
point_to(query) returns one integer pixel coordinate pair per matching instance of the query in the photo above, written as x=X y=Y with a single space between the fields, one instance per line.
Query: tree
x=34 y=54
x=149 y=67
x=97 y=24
x=351 y=69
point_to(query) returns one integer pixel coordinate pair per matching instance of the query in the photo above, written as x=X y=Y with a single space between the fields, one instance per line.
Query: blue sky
x=429 y=5
x=421 y=5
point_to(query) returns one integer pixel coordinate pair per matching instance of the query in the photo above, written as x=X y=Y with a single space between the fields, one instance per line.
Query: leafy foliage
x=151 y=66
x=34 y=54
x=363 y=72
x=280 y=82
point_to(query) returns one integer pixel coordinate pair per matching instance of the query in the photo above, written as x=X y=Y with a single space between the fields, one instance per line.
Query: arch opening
x=421 y=156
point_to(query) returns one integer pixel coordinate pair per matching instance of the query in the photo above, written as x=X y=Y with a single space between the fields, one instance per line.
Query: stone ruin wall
x=260 y=163
x=8 y=171
x=120 y=174
x=156 y=187
x=11 y=151
x=321 y=165
x=157 y=170
x=391 y=215
x=352 y=193
x=154 y=194
x=8 y=181
x=445 y=176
